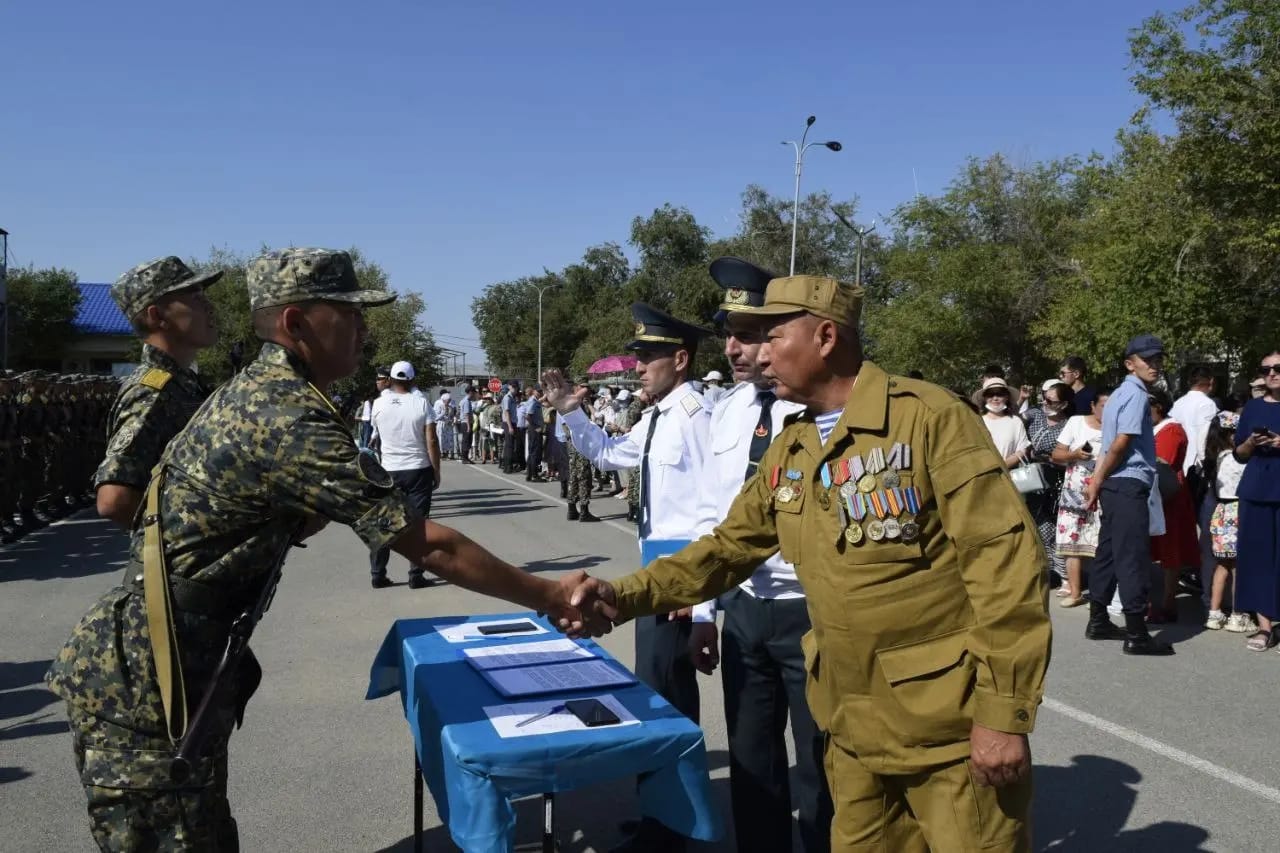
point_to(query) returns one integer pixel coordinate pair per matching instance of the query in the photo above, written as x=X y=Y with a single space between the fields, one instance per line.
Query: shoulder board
x=933 y=396
x=155 y=378
x=691 y=404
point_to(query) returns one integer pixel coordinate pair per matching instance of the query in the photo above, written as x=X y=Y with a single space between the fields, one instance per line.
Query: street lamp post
x=541 y=290
x=861 y=234
x=801 y=147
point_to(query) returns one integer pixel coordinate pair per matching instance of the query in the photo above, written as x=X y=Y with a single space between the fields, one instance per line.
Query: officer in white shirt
x=762 y=664
x=669 y=444
x=404 y=434
x=1195 y=412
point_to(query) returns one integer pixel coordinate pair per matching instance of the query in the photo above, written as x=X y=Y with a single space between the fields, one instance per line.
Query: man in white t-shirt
x=404 y=432
x=1195 y=411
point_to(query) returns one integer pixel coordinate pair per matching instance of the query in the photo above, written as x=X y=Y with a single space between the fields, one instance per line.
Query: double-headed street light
x=800 y=148
x=541 y=290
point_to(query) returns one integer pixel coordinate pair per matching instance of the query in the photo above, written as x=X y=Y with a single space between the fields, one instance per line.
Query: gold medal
x=785 y=495
x=875 y=529
x=824 y=500
x=867 y=484
x=910 y=532
x=892 y=529
x=853 y=534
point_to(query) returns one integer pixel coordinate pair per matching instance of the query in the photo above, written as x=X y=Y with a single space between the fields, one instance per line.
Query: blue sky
x=463 y=143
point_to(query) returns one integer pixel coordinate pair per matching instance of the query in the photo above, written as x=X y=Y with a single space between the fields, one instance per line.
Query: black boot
x=573 y=512
x=1100 y=626
x=631 y=513
x=1138 y=641
x=586 y=514
x=380 y=581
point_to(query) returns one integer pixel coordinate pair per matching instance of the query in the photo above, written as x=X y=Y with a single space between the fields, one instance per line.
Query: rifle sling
x=164 y=636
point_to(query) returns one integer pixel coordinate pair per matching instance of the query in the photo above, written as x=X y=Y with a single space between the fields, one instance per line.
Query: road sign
x=495 y=384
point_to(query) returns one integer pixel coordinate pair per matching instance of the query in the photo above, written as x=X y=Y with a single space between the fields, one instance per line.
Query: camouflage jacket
x=266 y=451
x=154 y=404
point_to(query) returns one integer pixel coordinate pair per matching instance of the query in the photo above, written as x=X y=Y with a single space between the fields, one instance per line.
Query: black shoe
x=1138 y=641
x=418 y=582
x=1100 y=626
x=631 y=514
x=573 y=512
x=586 y=515
x=1145 y=644
x=535 y=479
x=380 y=582
x=651 y=837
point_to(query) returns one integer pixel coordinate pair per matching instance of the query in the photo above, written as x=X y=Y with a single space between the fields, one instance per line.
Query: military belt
x=156 y=590
x=188 y=596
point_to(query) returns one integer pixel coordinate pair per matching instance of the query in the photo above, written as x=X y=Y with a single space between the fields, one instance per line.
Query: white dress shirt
x=677 y=455
x=732 y=426
x=1195 y=411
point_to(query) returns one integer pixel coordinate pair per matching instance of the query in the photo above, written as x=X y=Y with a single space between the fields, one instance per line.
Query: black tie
x=646 y=525
x=763 y=435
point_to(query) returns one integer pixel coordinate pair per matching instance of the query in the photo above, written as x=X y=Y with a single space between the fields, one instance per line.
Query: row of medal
x=872 y=502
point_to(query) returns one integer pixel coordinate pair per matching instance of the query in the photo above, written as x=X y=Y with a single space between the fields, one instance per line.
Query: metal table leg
x=548 y=823
x=417 y=804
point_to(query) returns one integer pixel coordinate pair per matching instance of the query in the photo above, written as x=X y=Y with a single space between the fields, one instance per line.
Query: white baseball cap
x=713 y=375
x=624 y=395
x=402 y=370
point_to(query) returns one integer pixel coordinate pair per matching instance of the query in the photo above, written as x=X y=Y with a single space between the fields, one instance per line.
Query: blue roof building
x=97 y=314
x=104 y=340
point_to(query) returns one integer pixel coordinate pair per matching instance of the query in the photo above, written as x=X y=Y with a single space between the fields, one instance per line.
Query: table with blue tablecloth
x=474 y=775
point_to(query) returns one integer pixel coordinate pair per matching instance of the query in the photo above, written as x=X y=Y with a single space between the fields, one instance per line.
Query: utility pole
x=4 y=299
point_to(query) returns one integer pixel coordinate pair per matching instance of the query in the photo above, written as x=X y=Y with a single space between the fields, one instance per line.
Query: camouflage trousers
x=133 y=804
x=633 y=488
x=580 y=482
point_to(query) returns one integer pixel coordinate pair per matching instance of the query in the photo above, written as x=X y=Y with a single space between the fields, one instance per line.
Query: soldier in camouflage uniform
x=9 y=449
x=636 y=405
x=32 y=445
x=266 y=462
x=166 y=303
x=581 y=475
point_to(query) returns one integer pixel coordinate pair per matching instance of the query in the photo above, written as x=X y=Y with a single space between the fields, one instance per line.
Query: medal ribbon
x=877 y=503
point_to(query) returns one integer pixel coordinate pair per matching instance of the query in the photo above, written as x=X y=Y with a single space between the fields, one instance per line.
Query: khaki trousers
x=940 y=810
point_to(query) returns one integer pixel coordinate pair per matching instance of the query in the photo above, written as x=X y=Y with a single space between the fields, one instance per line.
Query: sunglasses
x=1268 y=368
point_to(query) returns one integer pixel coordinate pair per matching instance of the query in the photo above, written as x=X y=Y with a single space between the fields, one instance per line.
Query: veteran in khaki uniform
x=923 y=574
x=166 y=304
x=267 y=461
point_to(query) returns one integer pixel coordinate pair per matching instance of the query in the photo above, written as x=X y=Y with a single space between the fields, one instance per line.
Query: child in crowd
x=1223 y=470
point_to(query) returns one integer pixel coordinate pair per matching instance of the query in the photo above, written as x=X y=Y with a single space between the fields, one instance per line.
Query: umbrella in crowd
x=612 y=364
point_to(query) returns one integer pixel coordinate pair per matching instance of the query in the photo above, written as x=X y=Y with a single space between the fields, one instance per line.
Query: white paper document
x=506 y=719
x=525 y=654
x=465 y=632
x=556 y=678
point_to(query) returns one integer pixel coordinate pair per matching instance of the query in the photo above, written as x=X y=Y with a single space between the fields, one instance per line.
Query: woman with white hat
x=1007 y=430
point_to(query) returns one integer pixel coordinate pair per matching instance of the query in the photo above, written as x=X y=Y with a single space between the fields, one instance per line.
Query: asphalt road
x=1131 y=754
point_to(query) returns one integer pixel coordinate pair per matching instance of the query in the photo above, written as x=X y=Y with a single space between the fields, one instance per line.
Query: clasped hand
x=582 y=606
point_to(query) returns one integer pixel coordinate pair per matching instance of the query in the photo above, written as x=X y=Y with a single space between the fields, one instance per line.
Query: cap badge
x=639 y=328
x=736 y=296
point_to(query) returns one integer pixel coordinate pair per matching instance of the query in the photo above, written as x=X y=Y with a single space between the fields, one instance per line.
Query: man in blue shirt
x=512 y=439
x=1124 y=482
x=466 y=424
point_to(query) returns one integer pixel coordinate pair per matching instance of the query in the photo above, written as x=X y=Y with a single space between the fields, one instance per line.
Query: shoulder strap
x=156 y=378
x=164 y=637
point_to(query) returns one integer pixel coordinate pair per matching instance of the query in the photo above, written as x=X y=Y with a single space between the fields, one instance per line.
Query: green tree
x=42 y=306
x=970 y=274
x=1215 y=67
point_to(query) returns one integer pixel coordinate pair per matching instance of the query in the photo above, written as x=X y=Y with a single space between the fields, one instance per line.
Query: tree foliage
x=42 y=308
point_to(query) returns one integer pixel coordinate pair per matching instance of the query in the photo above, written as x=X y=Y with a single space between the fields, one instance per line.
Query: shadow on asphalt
x=97 y=546
x=594 y=811
x=1083 y=809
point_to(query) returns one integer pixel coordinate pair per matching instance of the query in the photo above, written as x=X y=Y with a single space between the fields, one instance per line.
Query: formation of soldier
x=52 y=436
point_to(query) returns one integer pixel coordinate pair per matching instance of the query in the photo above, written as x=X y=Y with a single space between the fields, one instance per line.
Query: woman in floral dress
x=1057 y=404
x=1077 y=532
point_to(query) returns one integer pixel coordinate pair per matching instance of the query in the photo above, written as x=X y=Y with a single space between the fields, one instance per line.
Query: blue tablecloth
x=473 y=774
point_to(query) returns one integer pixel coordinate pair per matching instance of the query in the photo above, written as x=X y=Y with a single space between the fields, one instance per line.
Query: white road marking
x=1138 y=739
x=1164 y=750
x=629 y=529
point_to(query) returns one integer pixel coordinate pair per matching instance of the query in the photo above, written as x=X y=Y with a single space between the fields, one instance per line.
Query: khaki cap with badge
x=818 y=295
x=145 y=283
x=289 y=276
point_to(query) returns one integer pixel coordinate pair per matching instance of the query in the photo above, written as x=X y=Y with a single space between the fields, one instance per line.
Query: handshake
x=581 y=606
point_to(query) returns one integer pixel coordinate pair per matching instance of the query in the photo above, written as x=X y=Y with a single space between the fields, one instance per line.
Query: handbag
x=1029 y=478
x=1166 y=479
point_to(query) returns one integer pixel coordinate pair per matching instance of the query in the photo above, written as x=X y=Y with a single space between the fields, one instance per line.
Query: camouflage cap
x=810 y=294
x=286 y=276
x=146 y=283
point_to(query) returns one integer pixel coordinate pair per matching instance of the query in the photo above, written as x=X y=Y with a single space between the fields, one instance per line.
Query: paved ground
x=1131 y=754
